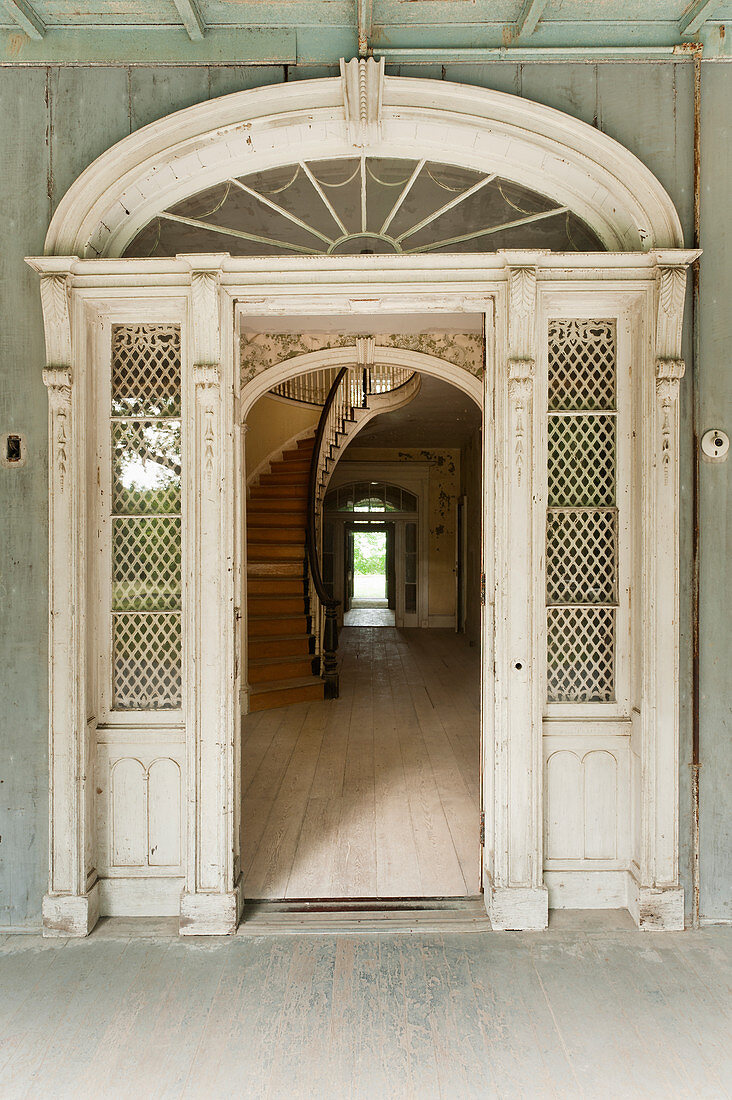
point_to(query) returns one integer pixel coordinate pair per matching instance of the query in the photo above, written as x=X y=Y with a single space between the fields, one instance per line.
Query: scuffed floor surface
x=566 y=1013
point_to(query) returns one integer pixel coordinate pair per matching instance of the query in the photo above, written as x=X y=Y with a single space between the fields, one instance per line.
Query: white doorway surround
x=580 y=792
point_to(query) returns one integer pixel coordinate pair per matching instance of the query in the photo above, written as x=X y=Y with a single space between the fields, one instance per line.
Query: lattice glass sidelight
x=582 y=516
x=146 y=519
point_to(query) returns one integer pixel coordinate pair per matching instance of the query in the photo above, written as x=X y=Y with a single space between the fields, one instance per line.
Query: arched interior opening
x=375 y=794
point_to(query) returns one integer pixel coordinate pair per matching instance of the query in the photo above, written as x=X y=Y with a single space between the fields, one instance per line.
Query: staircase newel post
x=330 y=647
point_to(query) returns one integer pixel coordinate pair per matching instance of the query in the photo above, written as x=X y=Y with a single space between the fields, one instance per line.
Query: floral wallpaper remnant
x=265 y=349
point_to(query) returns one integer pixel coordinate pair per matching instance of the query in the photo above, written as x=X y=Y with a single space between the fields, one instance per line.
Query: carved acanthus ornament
x=205 y=316
x=56 y=320
x=363 y=83
x=58 y=383
x=520 y=391
x=670 y=366
x=669 y=373
x=207 y=380
x=521 y=363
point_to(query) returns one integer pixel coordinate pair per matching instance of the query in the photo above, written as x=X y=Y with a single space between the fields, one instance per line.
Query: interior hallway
x=574 y=1012
x=375 y=794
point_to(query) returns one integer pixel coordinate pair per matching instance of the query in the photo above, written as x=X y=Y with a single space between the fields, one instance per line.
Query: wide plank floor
x=374 y=794
x=584 y=1013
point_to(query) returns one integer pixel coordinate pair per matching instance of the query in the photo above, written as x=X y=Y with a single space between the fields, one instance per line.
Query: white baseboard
x=587 y=889
x=70 y=914
x=517 y=908
x=140 y=897
x=656 y=908
x=211 y=914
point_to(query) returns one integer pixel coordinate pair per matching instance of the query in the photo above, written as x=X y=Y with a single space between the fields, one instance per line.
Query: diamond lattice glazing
x=145 y=370
x=582 y=520
x=581 y=364
x=581 y=556
x=581 y=461
x=146 y=523
x=581 y=654
x=146 y=649
x=146 y=563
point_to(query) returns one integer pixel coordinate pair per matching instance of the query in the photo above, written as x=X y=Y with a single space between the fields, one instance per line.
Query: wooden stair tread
x=280 y=641
x=285 y=685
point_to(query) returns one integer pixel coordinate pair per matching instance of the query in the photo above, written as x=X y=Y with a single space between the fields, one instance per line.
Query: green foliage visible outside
x=369 y=553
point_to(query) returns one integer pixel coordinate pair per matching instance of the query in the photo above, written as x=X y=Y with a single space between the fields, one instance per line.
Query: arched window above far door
x=366 y=498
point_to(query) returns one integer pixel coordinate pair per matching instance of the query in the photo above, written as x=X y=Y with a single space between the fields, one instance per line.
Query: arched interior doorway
x=557 y=325
x=374 y=795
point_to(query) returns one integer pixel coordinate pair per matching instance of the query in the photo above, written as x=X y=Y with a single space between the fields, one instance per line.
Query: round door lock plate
x=715 y=445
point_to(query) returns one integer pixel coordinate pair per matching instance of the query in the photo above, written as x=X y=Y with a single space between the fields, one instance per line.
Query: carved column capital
x=57 y=381
x=521 y=374
x=206 y=376
x=362 y=82
x=669 y=373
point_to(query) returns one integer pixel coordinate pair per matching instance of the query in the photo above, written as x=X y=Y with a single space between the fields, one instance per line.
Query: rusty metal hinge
x=482 y=589
x=482 y=829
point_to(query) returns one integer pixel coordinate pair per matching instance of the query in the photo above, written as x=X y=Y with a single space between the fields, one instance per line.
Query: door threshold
x=343 y=916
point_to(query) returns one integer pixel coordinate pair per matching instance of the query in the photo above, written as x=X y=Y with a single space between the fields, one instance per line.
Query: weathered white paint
x=204 y=293
x=546 y=150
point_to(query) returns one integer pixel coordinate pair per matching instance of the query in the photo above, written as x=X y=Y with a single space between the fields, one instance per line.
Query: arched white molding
x=539 y=147
x=419 y=361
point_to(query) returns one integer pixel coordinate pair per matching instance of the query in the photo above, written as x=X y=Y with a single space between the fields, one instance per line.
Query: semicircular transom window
x=368 y=497
x=352 y=206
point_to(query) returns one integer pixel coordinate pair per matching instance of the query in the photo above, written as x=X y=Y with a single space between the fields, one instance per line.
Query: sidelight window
x=146 y=517
x=582 y=513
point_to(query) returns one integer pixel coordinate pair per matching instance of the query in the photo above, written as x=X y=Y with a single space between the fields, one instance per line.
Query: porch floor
x=586 y=1009
x=374 y=794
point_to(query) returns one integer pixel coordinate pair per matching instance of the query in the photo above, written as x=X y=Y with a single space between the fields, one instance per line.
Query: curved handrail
x=312 y=517
x=329 y=604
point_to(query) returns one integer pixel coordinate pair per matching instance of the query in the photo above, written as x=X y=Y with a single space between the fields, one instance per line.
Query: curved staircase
x=281 y=648
x=292 y=625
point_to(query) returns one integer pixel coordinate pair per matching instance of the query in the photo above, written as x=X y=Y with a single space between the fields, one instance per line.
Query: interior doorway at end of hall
x=370 y=575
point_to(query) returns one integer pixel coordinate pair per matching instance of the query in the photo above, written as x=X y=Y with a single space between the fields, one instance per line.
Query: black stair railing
x=325 y=437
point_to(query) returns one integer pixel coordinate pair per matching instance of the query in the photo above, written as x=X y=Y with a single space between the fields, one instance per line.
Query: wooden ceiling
x=318 y=32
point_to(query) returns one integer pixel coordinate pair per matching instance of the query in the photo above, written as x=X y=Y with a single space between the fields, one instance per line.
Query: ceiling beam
x=192 y=19
x=530 y=15
x=364 y=16
x=24 y=15
x=696 y=16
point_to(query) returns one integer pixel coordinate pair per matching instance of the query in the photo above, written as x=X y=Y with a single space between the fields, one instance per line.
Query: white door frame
x=82 y=283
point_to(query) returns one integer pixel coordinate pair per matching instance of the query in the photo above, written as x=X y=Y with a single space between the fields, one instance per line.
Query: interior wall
x=271 y=422
x=54 y=120
x=444 y=485
x=471 y=458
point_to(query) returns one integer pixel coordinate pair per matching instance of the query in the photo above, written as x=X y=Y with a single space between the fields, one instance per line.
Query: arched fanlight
x=366 y=205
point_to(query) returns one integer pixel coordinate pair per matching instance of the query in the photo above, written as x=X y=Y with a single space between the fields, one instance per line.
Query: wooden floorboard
x=591 y=1010
x=375 y=794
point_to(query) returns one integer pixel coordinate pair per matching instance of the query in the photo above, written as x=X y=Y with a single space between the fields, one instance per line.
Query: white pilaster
x=71 y=906
x=517 y=896
x=211 y=902
x=657 y=900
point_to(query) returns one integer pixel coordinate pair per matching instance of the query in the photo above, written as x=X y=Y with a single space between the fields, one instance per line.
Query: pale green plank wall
x=55 y=121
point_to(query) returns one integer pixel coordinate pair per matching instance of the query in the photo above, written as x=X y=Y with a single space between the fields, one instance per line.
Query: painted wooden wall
x=55 y=120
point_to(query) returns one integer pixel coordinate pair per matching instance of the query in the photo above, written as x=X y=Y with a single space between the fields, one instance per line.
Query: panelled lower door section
x=140 y=752
x=586 y=783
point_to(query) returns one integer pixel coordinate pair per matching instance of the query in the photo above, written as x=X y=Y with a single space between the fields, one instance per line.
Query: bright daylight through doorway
x=369 y=568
